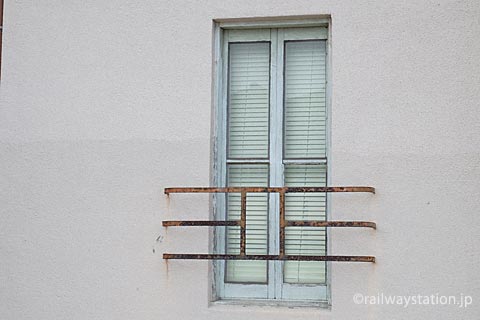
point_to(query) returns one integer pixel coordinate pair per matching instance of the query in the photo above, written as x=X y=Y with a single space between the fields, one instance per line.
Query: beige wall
x=105 y=103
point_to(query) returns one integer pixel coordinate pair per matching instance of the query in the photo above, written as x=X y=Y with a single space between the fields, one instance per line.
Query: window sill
x=289 y=304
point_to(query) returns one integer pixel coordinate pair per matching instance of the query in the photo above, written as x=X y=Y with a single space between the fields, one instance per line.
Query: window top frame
x=274 y=22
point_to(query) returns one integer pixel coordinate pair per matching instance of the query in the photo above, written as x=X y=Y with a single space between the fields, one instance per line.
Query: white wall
x=105 y=103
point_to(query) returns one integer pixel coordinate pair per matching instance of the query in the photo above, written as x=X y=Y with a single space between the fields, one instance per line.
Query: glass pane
x=305 y=102
x=305 y=240
x=248 y=175
x=248 y=100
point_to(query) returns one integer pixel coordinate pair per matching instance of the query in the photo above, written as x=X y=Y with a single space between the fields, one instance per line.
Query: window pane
x=248 y=175
x=248 y=100
x=305 y=102
x=305 y=240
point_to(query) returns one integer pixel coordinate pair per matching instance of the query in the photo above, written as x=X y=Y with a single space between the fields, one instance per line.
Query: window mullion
x=273 y=204
x=277 y=132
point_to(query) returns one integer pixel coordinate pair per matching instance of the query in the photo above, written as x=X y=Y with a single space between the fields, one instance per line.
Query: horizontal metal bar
x=347 y=224
x=290 y=223
x=267 y=257
x=267 y=189
x=198 y=223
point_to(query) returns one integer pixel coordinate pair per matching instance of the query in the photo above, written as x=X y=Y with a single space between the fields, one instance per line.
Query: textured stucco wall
x=105 y=103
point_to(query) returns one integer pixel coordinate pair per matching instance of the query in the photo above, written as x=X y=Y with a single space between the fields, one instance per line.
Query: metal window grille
x=242 y=223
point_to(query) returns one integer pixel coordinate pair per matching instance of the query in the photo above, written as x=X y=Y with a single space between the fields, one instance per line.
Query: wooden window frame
x=255 y=293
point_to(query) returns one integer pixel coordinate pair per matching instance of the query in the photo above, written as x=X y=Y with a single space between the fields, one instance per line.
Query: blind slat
x=252 y=175
x=301 y=240
x=248 y=100
x=305 y=103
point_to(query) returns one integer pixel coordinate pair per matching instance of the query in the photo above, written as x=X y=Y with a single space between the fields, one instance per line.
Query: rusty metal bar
x=282 y=225
x=289 y=223
x=198 y=223
x=268 y=189
x=267 y=257
x=243 y=223
x=347 y=224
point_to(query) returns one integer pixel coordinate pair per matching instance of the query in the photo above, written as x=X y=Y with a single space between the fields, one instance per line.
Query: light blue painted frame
x=225 y=31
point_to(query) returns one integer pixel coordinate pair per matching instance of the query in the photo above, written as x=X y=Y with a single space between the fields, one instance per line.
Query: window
x=271 y=130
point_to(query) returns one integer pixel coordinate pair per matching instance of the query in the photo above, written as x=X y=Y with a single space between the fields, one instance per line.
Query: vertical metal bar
x=243 y=224
x=282 y=225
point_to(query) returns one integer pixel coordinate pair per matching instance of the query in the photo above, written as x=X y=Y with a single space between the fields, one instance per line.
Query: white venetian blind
x=243 y=175
x=305 y=102
x=248 y=100
x=305 y=240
